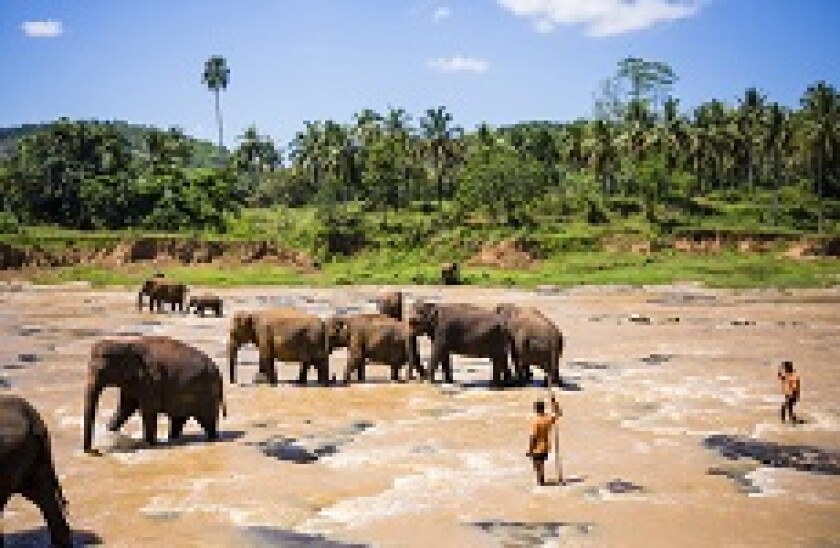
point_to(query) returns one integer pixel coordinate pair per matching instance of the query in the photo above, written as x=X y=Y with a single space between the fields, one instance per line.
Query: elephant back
x=19 y=420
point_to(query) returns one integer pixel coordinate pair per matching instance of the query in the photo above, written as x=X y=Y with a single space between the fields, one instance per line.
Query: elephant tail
x=222 y=401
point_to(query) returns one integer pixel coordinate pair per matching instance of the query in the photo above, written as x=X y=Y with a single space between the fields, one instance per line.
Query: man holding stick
x=540 y=444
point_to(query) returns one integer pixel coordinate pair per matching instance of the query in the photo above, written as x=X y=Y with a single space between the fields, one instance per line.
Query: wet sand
x=652 y=373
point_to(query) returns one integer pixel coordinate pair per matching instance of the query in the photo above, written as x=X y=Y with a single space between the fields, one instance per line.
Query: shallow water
x=414 y=464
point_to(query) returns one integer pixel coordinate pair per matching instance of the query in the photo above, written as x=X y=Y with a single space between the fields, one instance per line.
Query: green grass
x=726 y=270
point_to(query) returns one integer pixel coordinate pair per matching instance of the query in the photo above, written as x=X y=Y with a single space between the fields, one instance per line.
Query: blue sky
x=291 y=60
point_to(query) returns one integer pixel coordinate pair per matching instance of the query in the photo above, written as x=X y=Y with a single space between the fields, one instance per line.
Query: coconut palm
x=439 y=136
x=217 y=76
x=821 y=105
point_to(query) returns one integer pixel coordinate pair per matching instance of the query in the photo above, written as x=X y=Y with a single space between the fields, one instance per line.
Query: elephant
x=377 y=338
x=27 y=468
x=391 y=304
x=462 y=329
x=534 y=340
x=450 y=274
x=161 y=290
x=205 y=302
x=155 y=374
x=284 y=334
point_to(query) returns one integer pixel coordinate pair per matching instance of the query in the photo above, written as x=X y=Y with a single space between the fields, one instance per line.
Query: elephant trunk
x=233 y=349
x=94 y=390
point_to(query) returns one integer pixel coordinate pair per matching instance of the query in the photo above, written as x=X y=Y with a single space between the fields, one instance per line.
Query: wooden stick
x=558 y=463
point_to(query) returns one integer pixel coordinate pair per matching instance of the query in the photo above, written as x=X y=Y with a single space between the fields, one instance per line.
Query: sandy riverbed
x=421 y=465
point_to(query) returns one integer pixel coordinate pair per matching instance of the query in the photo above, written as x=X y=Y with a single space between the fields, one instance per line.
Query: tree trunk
x=778 y=184
x=219 y=120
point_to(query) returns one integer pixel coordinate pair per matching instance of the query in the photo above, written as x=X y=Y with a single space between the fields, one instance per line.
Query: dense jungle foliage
x=751 y=162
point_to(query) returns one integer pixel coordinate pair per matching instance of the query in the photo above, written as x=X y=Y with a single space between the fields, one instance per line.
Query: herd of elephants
x=158 y=374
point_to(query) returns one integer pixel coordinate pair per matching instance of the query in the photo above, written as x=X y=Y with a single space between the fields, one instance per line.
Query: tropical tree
x=820 y=105
x=216 y=77
x=440 y=137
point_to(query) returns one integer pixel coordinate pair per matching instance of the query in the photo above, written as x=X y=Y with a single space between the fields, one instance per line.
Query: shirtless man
x=540 y=444
x=790 y=389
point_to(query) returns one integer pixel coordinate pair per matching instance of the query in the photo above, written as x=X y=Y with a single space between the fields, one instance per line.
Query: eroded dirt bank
x=658 y=374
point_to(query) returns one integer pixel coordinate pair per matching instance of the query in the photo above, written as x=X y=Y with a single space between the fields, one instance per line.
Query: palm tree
x=440 y=137
x=217 y=76
x=749 y=122
x=777 y=142
x=821 y=106
x=602 y=152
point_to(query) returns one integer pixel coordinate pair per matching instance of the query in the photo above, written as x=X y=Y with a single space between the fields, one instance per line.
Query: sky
x=499 y=61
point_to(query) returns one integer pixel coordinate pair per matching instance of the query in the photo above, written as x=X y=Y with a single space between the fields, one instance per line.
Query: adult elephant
x=26 y=466
x=375 y=338
x=534 y=340
x=160 y=291
x=155 y=375
x=284 y=334
x=462 y=329
x=391 y=304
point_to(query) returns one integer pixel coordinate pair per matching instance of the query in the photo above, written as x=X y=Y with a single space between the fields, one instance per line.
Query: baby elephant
x=26 y=465
x=206 y=302
x=376 y=338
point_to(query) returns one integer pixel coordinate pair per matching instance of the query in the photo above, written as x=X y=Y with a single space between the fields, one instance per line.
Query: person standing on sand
x=790 y=390
x=539 y=444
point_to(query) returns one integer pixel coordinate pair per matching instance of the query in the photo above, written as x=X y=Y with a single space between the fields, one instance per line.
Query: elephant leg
x=210 y=424
x=43 y=490
x=149 y=427
x=267 y=367
x=125 y=408
x=176 y=427
x=395 y=373
x=447 y=368
x=302 y=373
x=434 y=362
x=323 y=368
x=500 y=371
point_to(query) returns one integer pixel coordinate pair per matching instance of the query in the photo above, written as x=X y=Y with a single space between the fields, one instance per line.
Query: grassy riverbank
x=732 y=270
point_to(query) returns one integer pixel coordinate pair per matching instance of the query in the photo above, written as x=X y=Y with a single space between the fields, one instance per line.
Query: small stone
x=638 y=318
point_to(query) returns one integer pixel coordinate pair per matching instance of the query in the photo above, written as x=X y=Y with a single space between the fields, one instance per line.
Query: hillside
x=204 y=152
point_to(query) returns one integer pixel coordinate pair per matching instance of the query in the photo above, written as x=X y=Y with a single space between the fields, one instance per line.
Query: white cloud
x=42 y=29
x=601 y=17
x=441 y=13
x=459 y=63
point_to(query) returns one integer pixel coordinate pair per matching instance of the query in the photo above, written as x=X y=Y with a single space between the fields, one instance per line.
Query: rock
x=638 y=318
x=28 y=358
x=739 y=476
x=620 y=487
x=4 y=383
x=264 y=536
x=583 y=364
x=518 y=533
x=742 y=322
x=547 y=290
x=657 y=359
x=798 y=457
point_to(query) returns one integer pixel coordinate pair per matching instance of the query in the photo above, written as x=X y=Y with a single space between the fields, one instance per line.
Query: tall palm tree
x=603 y=153
x=821 y=106
x=749 y=122
x=217 y=76
x=439 y=135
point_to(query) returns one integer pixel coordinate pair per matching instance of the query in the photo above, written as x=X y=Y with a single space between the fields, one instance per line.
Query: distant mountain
x=205 y=153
